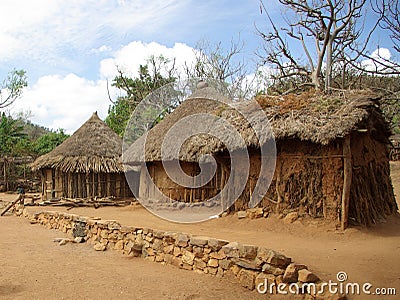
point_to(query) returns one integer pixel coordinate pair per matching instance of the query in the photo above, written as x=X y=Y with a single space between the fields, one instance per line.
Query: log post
x=347 y=174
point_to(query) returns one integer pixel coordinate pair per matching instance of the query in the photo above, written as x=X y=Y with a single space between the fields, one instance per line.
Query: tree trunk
x=328 y=71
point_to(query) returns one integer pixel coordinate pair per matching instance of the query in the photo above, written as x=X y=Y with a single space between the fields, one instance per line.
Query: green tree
x=156 y=73
x=11 y=88
x=11 y=133
x=49 y=141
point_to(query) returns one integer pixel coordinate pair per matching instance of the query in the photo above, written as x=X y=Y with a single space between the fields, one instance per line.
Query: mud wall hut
x=87 y=164
x=332 y=158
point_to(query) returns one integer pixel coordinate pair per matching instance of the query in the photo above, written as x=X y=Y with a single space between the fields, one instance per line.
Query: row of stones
x=252 y=265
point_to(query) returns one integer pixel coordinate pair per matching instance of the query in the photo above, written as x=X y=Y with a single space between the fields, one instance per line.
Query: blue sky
x=70 y=48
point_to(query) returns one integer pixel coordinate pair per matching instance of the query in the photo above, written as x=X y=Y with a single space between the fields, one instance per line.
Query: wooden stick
x=347 y=174
x=20 y=197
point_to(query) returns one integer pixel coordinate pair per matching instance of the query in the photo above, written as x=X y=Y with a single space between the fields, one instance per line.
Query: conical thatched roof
x=308 y=117
x=94 y=147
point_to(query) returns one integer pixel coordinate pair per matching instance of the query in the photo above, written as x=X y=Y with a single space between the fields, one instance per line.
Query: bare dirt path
x=365 y=254
x=34 y=267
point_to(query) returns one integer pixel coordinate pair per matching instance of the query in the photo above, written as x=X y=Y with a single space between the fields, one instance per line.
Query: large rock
x=255 y=213
x=272 y=257
x=225 y=263
x=241 y=214
x=119 y=245
x=216 y=244
x=247 y=278
x=99 y=247
x=199 y=264
x=268 y=269
x=187 y=257
x=182 y=240
x=291 y=273
x=213 y=263
x=248 y=251
x=170 y=237
x=307 y=276
x=199 y=241
x=169 y=249
x=291 y=217
x=218 y=255
x=247 y=264
x=231 y=249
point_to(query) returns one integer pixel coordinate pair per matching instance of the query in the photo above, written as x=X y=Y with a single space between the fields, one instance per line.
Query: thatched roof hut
x=87 y=164
x=332 y=155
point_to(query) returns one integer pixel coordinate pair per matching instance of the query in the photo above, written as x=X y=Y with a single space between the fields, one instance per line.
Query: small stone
x=218 y=255
x=79 y=239
x=170 y=237
x=241 y=214
x=267 y=268
x=225 y=263
x=119 y=245
x=157 y=244
x=99 y=247
x=307 y=276
x=291 y=272
x=104 y=233
x=199 y=264
x=247 y=278
x=187 y=257
x=235 y=269
x=160 y=257
x=114 y=225
x=231 y=249
x=291 y=217
x=216 y=244
x=177 y=251
x=272 y=257
x=199 y=241
x=212 y=263
x=158 y=234
x=182 y=240
x=248 y=251
x=247 y=264
x=255 y=213
x=169 y=249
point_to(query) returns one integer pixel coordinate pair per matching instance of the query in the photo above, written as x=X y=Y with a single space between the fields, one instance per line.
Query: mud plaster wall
x=371 y=197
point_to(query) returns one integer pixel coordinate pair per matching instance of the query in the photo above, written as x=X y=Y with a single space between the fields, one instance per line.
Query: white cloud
x=381 y=61
x=67 y=101
x=131 y=56
x=64 y=102
x=47 y=29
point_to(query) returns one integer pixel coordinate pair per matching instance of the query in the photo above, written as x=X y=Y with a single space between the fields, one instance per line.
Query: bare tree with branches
x=11 y=88
x=224 y=65
x=322 y=29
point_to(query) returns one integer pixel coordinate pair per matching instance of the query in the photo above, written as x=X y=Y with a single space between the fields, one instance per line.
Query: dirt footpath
x=32 y=266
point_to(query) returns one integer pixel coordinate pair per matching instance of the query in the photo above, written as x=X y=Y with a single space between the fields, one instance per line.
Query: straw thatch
x=94 y=147
x=309 y=117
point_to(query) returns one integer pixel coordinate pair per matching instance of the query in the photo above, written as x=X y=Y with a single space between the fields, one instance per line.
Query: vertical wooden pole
x=142 y=182
x=347 y=174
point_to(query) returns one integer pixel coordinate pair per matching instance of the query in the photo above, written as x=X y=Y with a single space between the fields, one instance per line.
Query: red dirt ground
x=33 y=267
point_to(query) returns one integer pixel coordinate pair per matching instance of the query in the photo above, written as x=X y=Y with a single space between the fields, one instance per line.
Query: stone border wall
x=250 y=264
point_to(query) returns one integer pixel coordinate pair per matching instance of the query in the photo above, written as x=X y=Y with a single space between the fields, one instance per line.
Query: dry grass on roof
x=308 y=117
x=94 y=147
